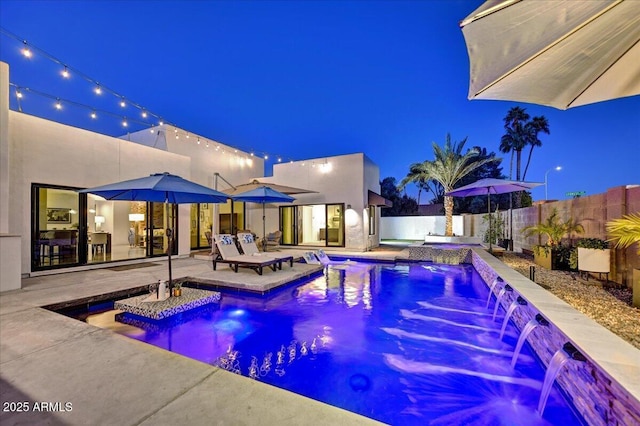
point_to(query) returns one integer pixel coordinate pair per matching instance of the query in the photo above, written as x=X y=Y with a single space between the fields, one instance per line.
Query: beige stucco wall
x=338 y=179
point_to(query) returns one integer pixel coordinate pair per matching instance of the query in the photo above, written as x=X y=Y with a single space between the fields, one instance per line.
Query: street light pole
x=557 y=168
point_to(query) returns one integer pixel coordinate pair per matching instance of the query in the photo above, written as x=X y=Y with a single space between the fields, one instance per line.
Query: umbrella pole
x=511 y=221
x=169 y=240
x=489 y=211
x=264 y=232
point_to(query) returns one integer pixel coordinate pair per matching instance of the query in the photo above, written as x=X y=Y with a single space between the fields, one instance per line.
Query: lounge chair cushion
x=225 y=240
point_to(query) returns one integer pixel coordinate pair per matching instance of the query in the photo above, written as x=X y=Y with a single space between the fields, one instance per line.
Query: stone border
x=191 y=298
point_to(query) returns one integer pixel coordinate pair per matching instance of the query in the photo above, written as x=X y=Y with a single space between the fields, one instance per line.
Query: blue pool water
x=402 y=344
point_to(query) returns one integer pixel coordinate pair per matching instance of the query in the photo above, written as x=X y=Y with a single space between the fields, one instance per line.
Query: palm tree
x=418 y=175
x=533 y=128
x=448 y=167
x=515 y=138
x=625 y=231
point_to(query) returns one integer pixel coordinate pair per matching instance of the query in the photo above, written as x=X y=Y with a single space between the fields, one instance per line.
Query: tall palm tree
x=533 y=129
x=516 y=138
x=448 y=167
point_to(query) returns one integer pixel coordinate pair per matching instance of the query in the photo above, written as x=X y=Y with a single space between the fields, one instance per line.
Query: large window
x=56 y=227
x=313 y=225
x=372 y=220
x=76 y=229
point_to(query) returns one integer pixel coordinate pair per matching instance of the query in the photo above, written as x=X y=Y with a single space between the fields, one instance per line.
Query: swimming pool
x=403 y=344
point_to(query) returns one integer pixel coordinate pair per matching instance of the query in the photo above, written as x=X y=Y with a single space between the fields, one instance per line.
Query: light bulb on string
x=94 y=115
x=144 y=114
x=160 y=123
x=123 y=103
x=65 y=72
x=279 y=160
x=98 y=90
x=58 y=105
x=198 y=141
x=187 y=135
x=26 y=52
x=18 y=94
x=266 y=157
x=207 y=144
x=124 y=122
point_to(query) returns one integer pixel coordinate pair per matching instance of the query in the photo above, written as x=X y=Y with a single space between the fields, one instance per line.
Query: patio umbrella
x=491 y=186
x=256 y=184
x=560 y=53
x=263 y=195
x=161 y=188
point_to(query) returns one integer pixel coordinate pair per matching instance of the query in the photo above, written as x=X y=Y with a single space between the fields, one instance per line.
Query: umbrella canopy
x=255 y=184
x=263 y=195
x=560 y=53
x=491 y=186
x=160 y=188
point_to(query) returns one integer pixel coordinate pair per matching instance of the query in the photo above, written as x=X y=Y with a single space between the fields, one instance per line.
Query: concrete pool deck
x=90 y=375
x=110 y=379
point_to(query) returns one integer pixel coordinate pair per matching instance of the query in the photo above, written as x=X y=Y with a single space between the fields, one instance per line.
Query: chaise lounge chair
x=228 y=253
x=249 y=247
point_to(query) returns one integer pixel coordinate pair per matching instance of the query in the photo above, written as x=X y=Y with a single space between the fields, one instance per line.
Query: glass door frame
x=81 y=242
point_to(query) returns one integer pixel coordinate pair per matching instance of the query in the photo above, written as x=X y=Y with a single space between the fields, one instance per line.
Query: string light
x=26 y=51
x=29 y=51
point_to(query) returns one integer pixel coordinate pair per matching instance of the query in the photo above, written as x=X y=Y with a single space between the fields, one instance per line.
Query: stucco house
x=45 y=224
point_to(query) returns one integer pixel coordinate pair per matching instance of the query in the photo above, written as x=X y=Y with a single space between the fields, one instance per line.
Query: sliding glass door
x=319 y=225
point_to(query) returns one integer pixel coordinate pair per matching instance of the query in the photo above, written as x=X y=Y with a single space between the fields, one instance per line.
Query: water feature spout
x=514 y=305
x=542 y=320
x=495 y=282
x=531 y=325
x=502 y=292
x=559 y=359
x=573 y=352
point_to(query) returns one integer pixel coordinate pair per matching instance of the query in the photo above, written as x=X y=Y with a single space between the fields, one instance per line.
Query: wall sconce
x=99 y=220
x=350 y=216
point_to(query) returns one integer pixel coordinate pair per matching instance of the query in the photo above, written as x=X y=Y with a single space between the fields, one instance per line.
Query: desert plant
x=625 y=231
x=554 y=229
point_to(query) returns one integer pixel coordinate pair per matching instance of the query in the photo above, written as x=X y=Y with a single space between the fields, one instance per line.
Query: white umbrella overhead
x=560 y=53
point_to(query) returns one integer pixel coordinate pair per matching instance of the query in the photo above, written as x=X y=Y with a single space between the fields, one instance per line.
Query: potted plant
x=177 y=289
x=552 y=254
x=593 y=255
x=626 y=232
x=497 y=233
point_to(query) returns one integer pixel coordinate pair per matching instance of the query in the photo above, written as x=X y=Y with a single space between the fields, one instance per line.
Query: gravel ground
x=610 y=306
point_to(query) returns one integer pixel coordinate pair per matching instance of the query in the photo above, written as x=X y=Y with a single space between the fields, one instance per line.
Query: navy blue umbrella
x=159 y=188
x=263 y=195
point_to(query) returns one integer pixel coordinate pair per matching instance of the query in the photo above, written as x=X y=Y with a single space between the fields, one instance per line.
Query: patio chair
x=228 y=253
x=273 y=240
x=249 y=247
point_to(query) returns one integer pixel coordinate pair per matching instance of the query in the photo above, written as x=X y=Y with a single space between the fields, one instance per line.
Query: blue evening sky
x=300 y=80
